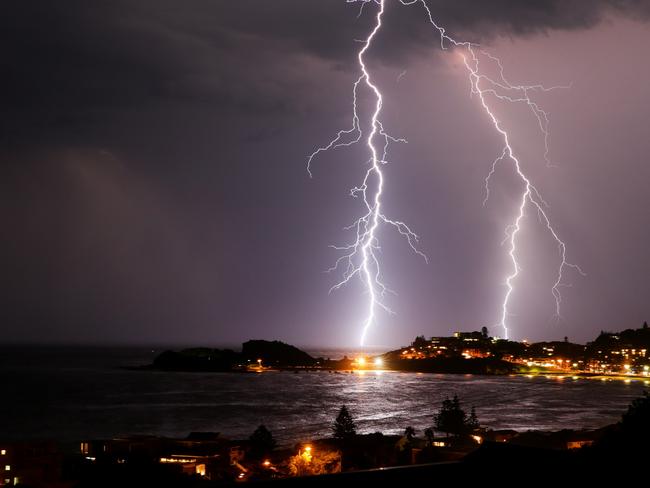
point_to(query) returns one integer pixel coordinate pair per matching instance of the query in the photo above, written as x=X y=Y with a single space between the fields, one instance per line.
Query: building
x=30 y=463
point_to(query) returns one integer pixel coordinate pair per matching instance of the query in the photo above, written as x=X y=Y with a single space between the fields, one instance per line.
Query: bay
x=74 y=393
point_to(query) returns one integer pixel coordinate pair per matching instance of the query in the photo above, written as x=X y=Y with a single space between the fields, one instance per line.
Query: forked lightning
x=360 y=256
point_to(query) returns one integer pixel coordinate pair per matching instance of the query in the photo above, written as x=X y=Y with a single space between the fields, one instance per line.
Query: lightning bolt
x=501 y=89
x=359 y=258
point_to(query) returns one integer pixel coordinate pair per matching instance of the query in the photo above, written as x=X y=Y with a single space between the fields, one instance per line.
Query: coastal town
x=611 y=353
x=622 y=353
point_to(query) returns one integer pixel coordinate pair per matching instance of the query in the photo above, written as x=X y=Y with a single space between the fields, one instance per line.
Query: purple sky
x=155 y=190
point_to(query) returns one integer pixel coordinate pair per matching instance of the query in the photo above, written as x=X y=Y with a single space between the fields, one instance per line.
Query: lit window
x=7 y=468
x=3 y=452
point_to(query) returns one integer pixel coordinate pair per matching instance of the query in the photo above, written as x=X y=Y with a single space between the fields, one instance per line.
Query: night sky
x=154 y=185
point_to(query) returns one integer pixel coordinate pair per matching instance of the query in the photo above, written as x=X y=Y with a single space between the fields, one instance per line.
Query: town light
x=361 y=361
x=379 y=362
x=306 y=455
x=266 y=463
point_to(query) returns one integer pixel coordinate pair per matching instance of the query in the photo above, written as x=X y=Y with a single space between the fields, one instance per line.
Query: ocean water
x=70 y=394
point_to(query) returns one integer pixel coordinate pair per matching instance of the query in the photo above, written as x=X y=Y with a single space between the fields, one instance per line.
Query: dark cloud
x=478 y=19
x=67 y=64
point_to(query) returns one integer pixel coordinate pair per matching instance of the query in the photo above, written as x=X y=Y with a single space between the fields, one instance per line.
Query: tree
x=315 y=462
x=409 y=433
x=344 y=427
x=472 y=422
x=645 y=325
x=484 y=332
x=452 y=419
x=628 y=441
x=420 y=341
x=262 y=442
x=428 y=434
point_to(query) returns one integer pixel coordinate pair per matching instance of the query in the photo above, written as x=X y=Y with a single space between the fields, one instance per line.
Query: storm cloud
x=73 y=63
x=153 y=154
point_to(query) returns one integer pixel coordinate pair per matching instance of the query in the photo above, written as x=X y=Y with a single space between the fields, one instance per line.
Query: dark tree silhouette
x=409 y=433
x=262 y=442
x=634 y=427
x=420 y=341
x=344 y=427
x=472 y=422
x=627 y=442
x=637 y=418
x=484 y=332
x=428 y=434
x=452 y=419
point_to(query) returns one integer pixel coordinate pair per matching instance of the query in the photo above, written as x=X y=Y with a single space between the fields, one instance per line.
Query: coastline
x=586 y=376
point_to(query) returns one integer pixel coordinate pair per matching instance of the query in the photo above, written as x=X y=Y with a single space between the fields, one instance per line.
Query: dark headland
x=255 y=353
x=261 y=355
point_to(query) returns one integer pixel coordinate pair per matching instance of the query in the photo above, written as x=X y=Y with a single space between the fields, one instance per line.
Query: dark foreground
x=492 y=462
x=207 y=460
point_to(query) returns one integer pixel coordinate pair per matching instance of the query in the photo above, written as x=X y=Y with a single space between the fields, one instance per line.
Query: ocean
x=75 y=393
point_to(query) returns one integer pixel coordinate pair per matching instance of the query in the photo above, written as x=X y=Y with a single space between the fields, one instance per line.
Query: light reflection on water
x=98 y=401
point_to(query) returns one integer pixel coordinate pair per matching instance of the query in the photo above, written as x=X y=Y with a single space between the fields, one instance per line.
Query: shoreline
x=298 y=370
x=587 y=376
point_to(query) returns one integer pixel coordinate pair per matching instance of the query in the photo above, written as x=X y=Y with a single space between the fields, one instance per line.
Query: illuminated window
x=7 y=468
x=3 y=452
